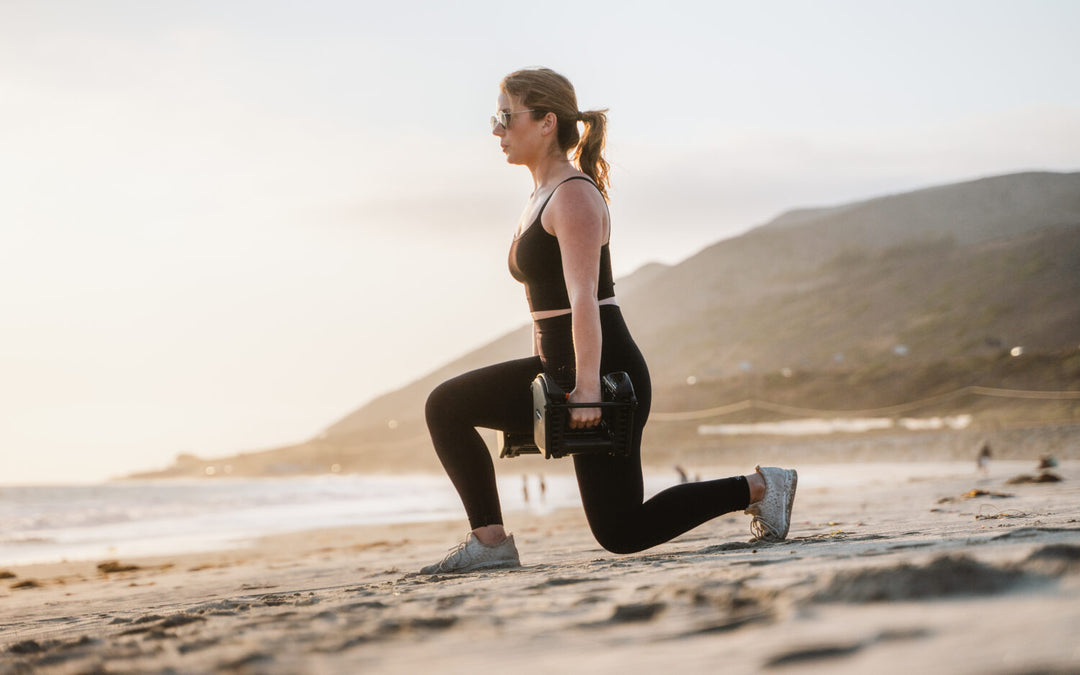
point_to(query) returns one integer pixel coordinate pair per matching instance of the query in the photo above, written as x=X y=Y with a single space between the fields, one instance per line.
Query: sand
x=888 y=568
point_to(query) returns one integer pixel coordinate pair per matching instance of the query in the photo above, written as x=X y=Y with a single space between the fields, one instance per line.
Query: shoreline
x=206 y=530
x=882 y=572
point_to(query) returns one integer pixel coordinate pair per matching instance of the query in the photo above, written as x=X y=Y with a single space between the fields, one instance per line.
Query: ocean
x=41 y=524
x=112 y=520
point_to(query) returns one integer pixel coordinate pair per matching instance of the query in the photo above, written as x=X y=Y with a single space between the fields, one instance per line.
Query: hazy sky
x=224 y=225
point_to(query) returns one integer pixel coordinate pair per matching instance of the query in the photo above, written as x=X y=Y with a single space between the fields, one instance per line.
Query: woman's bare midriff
x=551 y=313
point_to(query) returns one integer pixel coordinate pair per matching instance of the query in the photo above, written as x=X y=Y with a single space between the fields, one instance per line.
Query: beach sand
x=888 y=568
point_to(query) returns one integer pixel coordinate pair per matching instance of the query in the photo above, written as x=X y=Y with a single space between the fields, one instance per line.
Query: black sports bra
x=536 y=261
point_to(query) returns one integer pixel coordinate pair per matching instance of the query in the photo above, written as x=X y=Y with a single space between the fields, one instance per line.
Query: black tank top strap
x=544 y=205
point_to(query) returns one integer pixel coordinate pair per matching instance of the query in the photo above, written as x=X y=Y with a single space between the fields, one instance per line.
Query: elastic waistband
x=606 y=311
x=603 y=302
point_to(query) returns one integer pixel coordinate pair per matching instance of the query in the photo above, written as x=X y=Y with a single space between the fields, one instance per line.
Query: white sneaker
x=472 y=555
x=772 y=514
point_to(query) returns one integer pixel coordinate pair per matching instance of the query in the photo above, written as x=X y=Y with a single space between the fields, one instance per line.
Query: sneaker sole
x=486 y=566
x=475 y=567
x=791 y=501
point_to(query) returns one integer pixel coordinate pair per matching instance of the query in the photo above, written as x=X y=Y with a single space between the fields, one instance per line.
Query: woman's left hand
x=583 y=418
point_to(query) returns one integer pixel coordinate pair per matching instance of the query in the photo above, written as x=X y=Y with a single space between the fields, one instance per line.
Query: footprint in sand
x=370 y=604
x=825 y=652
x=1053 y=560
x=645 y=611
x=629 y=613
x=816 y=653
x=253 y=659
x=562 y=581
x=942 y=577
x=451 y=601
x=198 y=645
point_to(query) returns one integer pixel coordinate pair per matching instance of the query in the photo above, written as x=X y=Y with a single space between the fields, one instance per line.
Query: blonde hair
x=544 y=90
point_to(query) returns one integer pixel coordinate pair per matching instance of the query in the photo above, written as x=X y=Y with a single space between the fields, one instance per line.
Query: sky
x=224 y=225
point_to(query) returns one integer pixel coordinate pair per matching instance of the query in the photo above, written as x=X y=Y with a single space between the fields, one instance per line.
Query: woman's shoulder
x=576 y=190
x=576 y=181
x=576 y=199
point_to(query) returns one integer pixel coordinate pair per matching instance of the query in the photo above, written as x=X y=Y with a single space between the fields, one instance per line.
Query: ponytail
x=589 y=155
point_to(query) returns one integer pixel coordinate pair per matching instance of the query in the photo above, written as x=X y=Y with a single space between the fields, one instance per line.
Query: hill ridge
x=949 y=276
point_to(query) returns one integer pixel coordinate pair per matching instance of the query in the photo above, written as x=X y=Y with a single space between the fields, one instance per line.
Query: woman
x=561 y=254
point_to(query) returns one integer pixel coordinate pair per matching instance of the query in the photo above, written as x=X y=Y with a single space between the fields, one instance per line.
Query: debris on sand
x=29 y=583
x=1001 y=515
x=972 y=494
x=1044 y=477
x=113 y=566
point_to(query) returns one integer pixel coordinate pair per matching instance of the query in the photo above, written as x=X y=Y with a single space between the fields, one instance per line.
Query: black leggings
x=499 y=397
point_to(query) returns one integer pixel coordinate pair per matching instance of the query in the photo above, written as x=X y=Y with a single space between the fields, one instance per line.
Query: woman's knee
x=440 y=403
x=616 y=534
x=616 y=541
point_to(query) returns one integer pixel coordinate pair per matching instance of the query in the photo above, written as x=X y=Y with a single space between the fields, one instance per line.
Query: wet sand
x=888 y=568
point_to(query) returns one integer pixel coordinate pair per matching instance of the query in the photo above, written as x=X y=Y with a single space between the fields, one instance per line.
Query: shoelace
x=452 y=554
x=762 y=530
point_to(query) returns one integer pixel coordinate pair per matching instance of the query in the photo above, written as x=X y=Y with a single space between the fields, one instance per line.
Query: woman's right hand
x=583 y=418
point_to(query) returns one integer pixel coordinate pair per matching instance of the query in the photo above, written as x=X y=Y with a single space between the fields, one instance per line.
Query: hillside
x=857 y=303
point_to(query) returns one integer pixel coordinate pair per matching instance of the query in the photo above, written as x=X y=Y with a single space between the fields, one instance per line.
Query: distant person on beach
x=982 y=462
x=560 y=253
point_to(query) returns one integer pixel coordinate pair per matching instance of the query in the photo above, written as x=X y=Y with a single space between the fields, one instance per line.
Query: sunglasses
x=503 y=118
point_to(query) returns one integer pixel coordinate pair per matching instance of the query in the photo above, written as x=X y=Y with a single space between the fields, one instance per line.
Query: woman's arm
x=576 y=215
